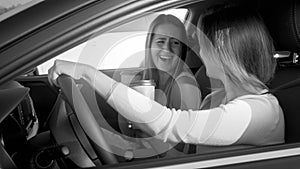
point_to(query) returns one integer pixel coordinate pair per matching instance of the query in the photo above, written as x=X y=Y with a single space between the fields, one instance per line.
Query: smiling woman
x=166 y=50
x=176 y=87
x=70 y=122
x=246 y=115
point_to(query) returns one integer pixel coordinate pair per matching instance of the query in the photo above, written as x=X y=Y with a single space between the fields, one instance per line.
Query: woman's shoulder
x=186 y=77
x=258 y=99
x=262 y=106
x=267 y=120
x=259 y=108
x=185 y=73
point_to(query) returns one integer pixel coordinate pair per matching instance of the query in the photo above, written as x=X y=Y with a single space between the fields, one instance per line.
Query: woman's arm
x=219 y=126
x=101 y=82
x=223 y=125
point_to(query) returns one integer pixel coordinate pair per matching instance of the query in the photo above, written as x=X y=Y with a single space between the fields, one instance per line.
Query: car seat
x=284 y=24
x=194 y=62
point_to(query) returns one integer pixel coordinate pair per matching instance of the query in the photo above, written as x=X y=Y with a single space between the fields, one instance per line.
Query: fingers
x=53 y=73
x=52 y=76
x=61 y=67
x=75 y=70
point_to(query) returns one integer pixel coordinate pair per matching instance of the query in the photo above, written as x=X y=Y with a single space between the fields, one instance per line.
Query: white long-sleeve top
x=248 y=119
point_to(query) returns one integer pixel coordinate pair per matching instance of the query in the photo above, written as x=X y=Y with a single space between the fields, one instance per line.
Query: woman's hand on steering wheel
x=72 y=69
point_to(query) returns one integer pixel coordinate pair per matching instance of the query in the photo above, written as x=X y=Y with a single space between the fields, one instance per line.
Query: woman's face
x=166 y=47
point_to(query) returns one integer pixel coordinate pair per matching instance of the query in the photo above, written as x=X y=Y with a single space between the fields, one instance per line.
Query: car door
x=78 y=26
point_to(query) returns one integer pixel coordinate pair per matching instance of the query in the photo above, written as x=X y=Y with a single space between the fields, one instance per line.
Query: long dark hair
x=151 y=71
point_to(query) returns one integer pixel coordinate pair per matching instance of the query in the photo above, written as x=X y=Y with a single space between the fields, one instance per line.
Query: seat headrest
x=283 y=21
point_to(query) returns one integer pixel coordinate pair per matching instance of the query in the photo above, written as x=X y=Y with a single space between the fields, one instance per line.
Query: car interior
x=62 y=141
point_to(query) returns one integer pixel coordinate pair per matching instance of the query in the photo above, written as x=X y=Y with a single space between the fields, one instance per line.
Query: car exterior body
x=49 y=28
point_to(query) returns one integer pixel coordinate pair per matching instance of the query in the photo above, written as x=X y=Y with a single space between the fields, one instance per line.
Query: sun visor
x=9 y=100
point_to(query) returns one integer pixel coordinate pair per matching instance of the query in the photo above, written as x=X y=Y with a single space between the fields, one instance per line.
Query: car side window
x=122 y=47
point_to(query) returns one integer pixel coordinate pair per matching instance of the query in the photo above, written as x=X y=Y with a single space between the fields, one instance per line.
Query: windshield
x=121 y=47
x=9 y=8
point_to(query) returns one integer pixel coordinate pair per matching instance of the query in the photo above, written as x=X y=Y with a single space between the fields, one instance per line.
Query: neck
x=233 y=91
x=163 y=78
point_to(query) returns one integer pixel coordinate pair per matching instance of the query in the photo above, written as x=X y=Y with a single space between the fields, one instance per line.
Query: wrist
x=112 y=88
x=88 y=73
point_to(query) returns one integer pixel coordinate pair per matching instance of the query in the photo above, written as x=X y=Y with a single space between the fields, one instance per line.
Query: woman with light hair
x=176 y=86
x=166 y=50
x=236 y=49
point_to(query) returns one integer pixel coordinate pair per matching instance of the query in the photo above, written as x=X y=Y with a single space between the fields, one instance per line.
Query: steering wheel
x=86 y=119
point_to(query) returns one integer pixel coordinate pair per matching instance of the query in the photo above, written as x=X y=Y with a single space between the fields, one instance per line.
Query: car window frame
x=50 y=51
x=40 y=69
